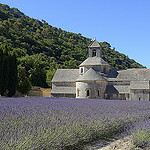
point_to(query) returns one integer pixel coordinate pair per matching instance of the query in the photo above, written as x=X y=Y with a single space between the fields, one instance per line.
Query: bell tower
x=95 y=60
x=95 y=49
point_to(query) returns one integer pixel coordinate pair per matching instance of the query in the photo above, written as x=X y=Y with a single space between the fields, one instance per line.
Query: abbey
x=96 y=79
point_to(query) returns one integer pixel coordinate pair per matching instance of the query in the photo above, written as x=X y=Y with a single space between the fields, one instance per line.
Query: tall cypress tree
x=8 y=71
x=1 y=68
x=5 y=71
x=12 y=82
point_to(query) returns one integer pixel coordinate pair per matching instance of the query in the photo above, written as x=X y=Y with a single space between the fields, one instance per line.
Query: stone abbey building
x=96 y=79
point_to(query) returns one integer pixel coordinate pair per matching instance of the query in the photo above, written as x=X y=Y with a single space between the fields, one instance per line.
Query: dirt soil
x=121 y=144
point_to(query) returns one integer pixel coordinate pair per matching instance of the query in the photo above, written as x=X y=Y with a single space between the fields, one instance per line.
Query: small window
x=81 y=70
x=87 y=92
x=94 y=53
x=98 y=92
x=78 y=92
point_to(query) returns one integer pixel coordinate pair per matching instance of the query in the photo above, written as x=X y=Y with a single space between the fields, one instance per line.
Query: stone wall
x=46 y=92
x=63 y=89
x=140 y=95
x=63 y=95
x=98 y=51
x=140 y=90
x=118 y=96
x=118 y=90
x=35 y=92
x=93 y=87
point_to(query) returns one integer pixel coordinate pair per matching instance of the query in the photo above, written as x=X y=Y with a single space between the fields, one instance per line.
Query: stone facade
x=96 y=79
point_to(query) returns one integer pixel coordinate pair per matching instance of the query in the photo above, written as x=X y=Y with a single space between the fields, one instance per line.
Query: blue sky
x=125 y=24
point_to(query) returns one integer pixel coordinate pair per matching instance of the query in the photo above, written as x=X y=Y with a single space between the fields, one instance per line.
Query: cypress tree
x=8 y=71
x=12 y=83
x=5 y=71
x=1 y=68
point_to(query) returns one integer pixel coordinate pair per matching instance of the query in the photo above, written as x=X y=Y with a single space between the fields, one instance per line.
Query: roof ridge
x=95 y=43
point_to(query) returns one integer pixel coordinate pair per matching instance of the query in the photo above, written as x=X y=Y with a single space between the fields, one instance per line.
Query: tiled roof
x=139 y=85
x=91 y=75
x=93 y=61
x=134 y=74
x=66 y=75
x=114 y=89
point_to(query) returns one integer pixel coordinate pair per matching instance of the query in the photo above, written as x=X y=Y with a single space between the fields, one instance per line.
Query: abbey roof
x=140 y=74
x=117 y=89
x=66 y=75
x=93 y=61
x=91 y=75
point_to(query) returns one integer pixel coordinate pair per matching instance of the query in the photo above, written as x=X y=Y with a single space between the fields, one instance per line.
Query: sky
x=125 y=24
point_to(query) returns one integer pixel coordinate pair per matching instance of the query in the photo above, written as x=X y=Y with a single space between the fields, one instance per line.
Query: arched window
x=78 y=92
x=98 y=92
x=87 y=92
x=94 y=53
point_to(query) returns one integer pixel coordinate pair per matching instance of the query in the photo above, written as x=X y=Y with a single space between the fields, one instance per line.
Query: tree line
x=12 y=78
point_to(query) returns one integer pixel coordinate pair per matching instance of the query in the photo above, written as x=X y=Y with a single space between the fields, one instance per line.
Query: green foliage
x=35 y=66
x=24 y=85
x=5 y=70
x=12 y=82
x=33 y=40
x=50 y=74
x=8 y=71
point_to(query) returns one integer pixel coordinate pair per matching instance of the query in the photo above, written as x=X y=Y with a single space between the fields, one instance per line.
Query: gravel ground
x=121 y=144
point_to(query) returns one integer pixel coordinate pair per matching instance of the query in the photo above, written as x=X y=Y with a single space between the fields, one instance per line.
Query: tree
x=38 y=77
x=50 y=74
x=12 y=83
x=8 y=71
x=24 y=85
x=5 y=70
x=1 y=68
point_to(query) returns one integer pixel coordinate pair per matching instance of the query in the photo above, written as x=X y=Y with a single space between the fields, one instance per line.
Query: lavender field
x=58 y=123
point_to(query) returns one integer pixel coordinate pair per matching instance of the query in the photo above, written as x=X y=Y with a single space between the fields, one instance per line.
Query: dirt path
x=122 y=144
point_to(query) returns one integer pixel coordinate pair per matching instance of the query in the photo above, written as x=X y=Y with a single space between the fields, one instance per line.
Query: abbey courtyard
x=97 y=80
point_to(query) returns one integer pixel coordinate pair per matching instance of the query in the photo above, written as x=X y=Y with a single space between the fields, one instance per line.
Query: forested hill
x=41 y=48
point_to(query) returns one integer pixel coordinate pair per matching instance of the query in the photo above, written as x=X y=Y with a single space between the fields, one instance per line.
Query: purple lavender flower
x=57 y=123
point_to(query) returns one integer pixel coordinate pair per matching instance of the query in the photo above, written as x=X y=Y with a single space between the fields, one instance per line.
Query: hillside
x=41 y=48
